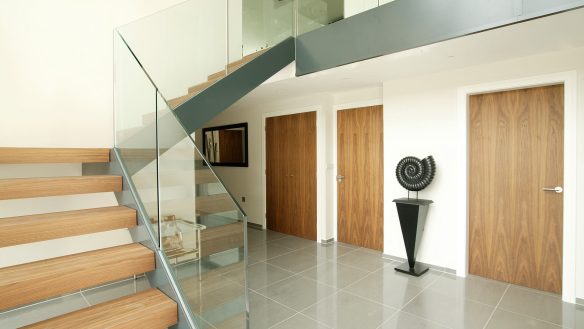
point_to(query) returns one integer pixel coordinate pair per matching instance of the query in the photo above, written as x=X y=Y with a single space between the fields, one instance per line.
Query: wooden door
x=516 y=149
x=360 y=161
x=291 y=174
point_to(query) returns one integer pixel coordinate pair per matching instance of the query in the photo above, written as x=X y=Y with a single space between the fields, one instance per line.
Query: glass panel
x=353 y=7
x=266 y=23
x=203 y=229
x=182 y=47
x=314 y=14
x=135 y=129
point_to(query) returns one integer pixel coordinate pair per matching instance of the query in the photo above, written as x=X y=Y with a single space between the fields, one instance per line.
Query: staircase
x=211 y=79
x=27 y=283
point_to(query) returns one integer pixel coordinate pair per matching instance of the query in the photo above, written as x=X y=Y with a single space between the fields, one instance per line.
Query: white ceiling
x=548 y=34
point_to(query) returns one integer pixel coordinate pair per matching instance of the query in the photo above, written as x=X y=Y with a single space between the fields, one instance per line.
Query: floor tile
x=238 y=322
x=230 y=315
x=300 y=321
x=472 y=287
x=296 y=261
x=422 y=281
x=259 y=275
x=42 y=311
x=116 y=290
x=364 y=260
x=543 y=306
x=273 y=235
x=346 y=245
x=297 y=292
x=334 y=274
x=330 y=251
x=403 y=320
x=347 y=311
x=264 y=313
x=212 y=292
x=449 y=311
x=266 y=251
x=295 y=243
x=507 y=320
x=255 y=236
x=390 y=289
x=202 y=324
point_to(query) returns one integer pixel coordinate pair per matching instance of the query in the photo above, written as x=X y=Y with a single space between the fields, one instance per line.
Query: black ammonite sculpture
x=415 y=174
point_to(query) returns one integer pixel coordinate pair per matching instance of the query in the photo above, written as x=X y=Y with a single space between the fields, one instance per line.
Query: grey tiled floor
x=302 y=284
x=296 y=283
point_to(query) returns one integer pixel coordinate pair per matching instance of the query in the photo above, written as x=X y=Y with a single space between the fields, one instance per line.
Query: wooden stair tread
x=31 y=282
x=175 y=102
x=244 y=60
x=217 y=75
x=150 y=309
x=19 y=188
x=211 y=79
x=201 y=86
x=53 y=155
x=33 y=228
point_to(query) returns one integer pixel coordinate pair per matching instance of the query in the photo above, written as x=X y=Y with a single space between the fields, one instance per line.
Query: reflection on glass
x=353 y=7
x=202 y=228
x=226 y=145
x=266 y=23
x=135 y=137
x=314 y=14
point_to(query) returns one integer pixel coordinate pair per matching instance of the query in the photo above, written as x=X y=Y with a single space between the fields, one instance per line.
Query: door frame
x=569 y=79
x=335 y=200
x=320 y=161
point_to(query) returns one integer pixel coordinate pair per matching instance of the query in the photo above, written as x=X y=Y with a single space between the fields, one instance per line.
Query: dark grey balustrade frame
x=405 y=24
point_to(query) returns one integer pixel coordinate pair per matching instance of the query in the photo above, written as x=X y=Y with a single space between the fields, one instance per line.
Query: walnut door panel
x=291 y=174
x=360 y=161
x=515 y=150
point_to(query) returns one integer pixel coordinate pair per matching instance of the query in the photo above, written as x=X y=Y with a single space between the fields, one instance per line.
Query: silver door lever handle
x=556 y=189
x=340 y=178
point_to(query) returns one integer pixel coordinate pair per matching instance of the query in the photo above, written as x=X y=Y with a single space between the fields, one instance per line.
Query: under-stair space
x=44 y=280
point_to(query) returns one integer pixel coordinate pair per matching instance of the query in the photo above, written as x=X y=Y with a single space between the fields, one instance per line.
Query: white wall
x=420 y=119
x=184 y=44
x=428 y=106
x=56 y=59
x=248 y=181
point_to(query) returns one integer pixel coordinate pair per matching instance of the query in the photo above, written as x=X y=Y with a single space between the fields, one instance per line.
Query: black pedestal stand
x=412 y=217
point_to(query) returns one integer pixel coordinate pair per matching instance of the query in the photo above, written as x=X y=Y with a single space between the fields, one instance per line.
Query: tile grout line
x=84 y=298
x=306 y=308
x=64 y=295
x=496 y=307
x=273 y=300
x=39 y=303
x=401 y=309
x=288 y=307
x=286 y=319
x=533 y=318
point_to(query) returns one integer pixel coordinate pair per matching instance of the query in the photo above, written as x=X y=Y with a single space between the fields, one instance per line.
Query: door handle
x=556 y=189
x=340 y=178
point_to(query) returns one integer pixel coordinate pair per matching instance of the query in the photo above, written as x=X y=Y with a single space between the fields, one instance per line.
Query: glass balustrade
x=354 y=7
x=202 y=228
x=161 y=61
